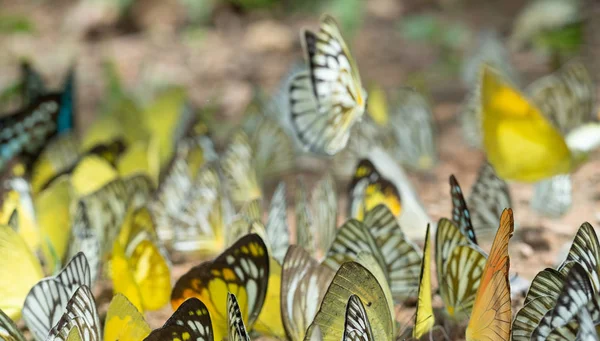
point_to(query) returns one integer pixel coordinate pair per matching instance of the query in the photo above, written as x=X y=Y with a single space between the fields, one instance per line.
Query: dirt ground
x=222 y=62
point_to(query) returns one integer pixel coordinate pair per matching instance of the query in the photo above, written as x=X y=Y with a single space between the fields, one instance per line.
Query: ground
x=222 y=62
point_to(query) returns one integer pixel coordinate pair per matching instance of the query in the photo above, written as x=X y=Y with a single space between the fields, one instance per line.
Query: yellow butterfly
x=242 y=269
x=124 y=322
x=57 y=157
x=321 y=115
x=367 y=283
x=369 y=188
x=491 y=315
x=424 y=318
x=138 y=268
x=16 y=257
x=509 y=120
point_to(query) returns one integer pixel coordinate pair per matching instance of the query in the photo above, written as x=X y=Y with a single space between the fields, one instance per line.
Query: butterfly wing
x=46 y=302
x=541 y=298
x=303 y=285
x=353 y=279
x=491 y=315
x=81 y=314
x=124 y=321
x=277 y=228
x=585 y=250
x=191 y=319
x=329 y=99
x=553 y=197
x=238 y=169
x=9 y=330
x=489 y=196
x=237 y=329
x=424 y=318
x=324 y=208
x=242 y=269
x=510 y=120
x=460 y=212
x=356 y=324
x=401 y=256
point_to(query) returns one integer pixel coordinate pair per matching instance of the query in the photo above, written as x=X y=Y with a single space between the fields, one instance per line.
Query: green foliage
x=349 y=15
x=198 y=11
x=429 y=29
x=255 y=4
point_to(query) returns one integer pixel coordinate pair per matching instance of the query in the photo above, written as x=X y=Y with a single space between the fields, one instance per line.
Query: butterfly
x=80 y=316
x=424 y=318
x=277 y=229
x=316 y=219
x=368 y=285
x=238 y=169
x=303 y=285
x=138 y=267
x=490 y=50
x=553 y=197
x=489 y=196
x=327 y=100
x=237 y=329
x=369 y=188
x=576 y=294
x=242 y=269
x=402 y=257
x=587 y=327
x=45 y=303
x=191 y=319
x=459 y=265
x=356 y=324
x=414 y=131
x=17 y=258
x=123 y=321
x=26 y=131
x=273 y=149
x=461 y=215
x=541 y=298
x=491 y=314
x=58 y=157
x=507 y=115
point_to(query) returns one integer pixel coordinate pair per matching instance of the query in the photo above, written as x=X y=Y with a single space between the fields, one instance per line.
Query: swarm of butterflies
x=145 y=182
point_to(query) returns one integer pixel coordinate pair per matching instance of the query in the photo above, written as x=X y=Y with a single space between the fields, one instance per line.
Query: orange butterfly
x=491 y=315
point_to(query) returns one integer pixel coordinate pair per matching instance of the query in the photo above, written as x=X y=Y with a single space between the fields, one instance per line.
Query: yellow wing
x=424 y=318
x=16 y=195
x=369 y=189
x=378 y=107
x=90 y=174
x=520 y=142
x=242 y=269
x=353 y=279
x=139 y=270
x=270 y=321
x=57 y=157
x=16 y=258
x=52 y=207
x=491 y=315
x=140 y=157
x=124 y=322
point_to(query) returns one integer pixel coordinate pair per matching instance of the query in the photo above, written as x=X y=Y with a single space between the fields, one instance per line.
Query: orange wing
x=490 y=319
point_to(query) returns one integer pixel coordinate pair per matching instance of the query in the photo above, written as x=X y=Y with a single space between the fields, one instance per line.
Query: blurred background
x=222 y=51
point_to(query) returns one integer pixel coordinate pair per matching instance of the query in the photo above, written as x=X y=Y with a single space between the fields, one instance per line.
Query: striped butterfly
x=303 y=285
x=459 y=265
x=239 y=170
x=401 y=256
x=577 y=294
x=414 y=131
x=365 y=280
x=190 y=320
x=327 y=100
x=461 y=215
x=9 y=330
x=27 y=131
x=424 y=318
x=81 y=315
x=45 y=304
x=489 y=196
x=541 y=298
x=243 y=269
x=491 y=314
x=566 y=97
x=587 y=327
x=277 y=229
x=356 y=325
x=585 y=250
x=237 y=328
x=316 y=219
